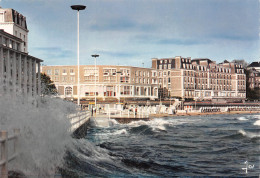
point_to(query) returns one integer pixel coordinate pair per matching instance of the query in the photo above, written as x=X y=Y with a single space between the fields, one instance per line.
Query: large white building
x=15 y=23
x=19 y=72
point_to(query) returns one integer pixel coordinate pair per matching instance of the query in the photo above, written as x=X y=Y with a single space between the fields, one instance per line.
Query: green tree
x=47 y=86
x=251 y=94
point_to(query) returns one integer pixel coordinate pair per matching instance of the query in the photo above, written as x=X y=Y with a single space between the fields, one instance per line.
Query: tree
x=251 y=93
x=47 y=86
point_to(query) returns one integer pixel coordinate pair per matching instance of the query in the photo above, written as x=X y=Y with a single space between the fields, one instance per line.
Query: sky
x=132 y=32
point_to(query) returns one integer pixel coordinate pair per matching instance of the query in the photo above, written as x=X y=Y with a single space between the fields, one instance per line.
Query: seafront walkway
x=101 y=118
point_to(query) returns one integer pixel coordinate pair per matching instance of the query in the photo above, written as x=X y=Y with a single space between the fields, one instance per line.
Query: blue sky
x=131 y=32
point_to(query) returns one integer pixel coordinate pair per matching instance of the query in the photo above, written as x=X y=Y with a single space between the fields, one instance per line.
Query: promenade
x=127 y=117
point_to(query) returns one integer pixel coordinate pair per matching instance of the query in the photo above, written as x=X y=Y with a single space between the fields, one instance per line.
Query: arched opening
x=68 y=92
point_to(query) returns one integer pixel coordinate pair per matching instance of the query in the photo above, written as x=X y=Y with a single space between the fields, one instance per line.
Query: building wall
x=203 y=79
x=200 y=79
x=129 y=82
x=19 y=72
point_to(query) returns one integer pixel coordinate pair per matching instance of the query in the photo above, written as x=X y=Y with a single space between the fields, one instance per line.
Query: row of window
x=165 y=66
x=142 y=73
x=57 y=71
x=10 y=43
x=220 y=70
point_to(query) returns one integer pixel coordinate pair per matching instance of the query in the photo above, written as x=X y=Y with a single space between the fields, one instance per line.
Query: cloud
x=182 y=41
x=141 y=29
x=236 y=37
x=121 y=25
x=53 y=53
x=116 y=54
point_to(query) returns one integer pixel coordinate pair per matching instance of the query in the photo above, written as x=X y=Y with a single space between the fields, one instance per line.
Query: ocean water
x=216 y=145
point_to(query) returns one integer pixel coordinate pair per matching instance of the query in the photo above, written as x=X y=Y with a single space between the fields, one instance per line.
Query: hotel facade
x=201 y=79
x=107 y=81
x=19 y=72
x=178 y=77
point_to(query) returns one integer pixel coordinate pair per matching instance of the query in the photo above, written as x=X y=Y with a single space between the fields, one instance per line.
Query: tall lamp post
x=119 y=72
x=78 y=8
x=95 y=56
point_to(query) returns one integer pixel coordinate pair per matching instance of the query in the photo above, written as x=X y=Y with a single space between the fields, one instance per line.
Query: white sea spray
x=44 y=129
x=242 y=118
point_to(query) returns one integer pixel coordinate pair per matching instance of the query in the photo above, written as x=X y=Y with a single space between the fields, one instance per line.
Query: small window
x=49 y=72
x=56 y=72
x=2 y=17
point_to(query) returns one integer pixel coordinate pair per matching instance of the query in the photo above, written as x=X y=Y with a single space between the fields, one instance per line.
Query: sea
x=179 y=146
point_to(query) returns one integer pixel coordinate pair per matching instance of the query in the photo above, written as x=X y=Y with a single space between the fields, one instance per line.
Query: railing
x=78 y=119
x=4 y=159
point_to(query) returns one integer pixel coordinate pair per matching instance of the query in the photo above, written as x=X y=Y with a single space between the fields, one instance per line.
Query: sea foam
x=44 y=129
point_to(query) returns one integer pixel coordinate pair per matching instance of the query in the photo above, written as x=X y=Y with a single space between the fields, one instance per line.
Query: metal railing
x=4 y=159
x=78 y=119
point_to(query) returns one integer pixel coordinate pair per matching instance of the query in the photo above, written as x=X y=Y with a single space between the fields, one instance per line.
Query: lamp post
x=95 y=56
x=119 y=72
x=78 y=8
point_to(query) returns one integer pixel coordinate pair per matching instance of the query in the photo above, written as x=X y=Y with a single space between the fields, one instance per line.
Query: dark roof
x=197 y=60
x=254 y=64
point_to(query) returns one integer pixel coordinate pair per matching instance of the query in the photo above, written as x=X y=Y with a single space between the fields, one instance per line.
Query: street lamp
x=78 y=8
x=95 y=56
x=119 y=72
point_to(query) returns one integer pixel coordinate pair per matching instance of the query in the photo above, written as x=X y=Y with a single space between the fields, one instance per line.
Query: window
x=68 y=91
x=17 y=46
x=4 y=41
x=124 y=79
x=106 y=79
x=64 y=71
x=106 y=72
x=57 y=71
x=2 y=17
x=91 y=78
x=49 y=72
x=113 y=72
x=56 y=79
x=126 y=90
x=71 y=71
x=64 y=79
